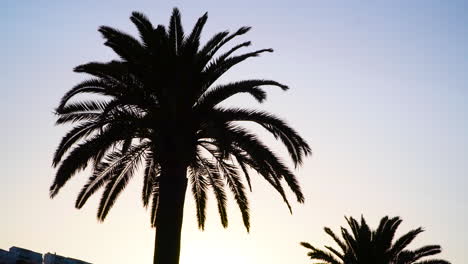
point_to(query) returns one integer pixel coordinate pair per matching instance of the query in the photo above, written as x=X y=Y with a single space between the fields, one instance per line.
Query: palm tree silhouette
x=363 y=246
x=157 y=107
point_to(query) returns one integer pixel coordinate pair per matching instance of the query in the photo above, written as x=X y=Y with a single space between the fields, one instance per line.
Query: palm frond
x=91 y=86
x=433 y=261
x=176 y=32
x=192 y=42
x=111 y=165
x=338 y=241
x=237 y=187
x=145 y=28
x=199 y=186
x=79 y=156
x=77 y=117
x=151 y=178
x=83 y=106
x=123 y=44
x=228 y=53
x=118 y=182
x=262 y=160
x=218 y=94
x=243 y=165
x=139 y=97
x=217 y=68
x=154 y=203
x=214 y=49
x=390 y=231
x=103 y=171
x=405 y=240
x=426 y=251
x=363 y=245
x=351 y=243
x=72 y=137
x=217 y=185
x=335 y=252
x=307 y=245
x=203 y=54
x=318 y=254
x=297 y=147
x=258 y=151
x=113 y=70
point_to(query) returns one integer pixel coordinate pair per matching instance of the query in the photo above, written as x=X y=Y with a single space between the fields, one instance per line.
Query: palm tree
x=158 y=108
x=363 y=246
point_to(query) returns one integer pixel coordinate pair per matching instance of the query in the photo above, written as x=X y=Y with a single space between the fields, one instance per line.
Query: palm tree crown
x=157 y=107
x=366 y=246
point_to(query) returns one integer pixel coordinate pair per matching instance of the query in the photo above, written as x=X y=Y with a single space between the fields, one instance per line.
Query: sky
x=378 y=88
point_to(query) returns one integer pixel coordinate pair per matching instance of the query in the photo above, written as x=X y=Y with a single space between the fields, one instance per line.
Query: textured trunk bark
x=170 y=212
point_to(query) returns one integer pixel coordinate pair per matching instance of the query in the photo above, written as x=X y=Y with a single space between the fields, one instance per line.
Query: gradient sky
x=378 y=88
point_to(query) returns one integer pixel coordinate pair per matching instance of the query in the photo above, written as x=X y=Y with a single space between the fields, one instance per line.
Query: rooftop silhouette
x=17 y=255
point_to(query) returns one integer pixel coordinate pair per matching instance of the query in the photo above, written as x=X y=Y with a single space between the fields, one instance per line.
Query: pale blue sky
x=378 y=88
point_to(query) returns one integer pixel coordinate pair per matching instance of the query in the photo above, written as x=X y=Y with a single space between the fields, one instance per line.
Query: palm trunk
x=173 y=185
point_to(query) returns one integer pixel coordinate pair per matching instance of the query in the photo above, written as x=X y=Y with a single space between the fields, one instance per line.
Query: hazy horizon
x=378 y=88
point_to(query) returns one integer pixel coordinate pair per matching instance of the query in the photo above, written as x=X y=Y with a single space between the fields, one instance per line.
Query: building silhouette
x=56 y=259
x=18 y=255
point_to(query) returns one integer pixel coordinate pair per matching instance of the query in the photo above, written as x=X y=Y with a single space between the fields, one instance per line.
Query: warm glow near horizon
x=379 y=89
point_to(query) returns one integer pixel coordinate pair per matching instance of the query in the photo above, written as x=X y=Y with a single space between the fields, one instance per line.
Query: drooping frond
x=199 y=186
x=91 y=86
x=151 y=178
x=72 y=137
x=79 y=156
x=77 y=118
x=267 y=159
x=118 y=181
x=102 y=172
x=217 y=185
x=243 y=165
x=154 y=203
x=234 y=183
x=433 y=261
x=83 y=106
x=295 y=144
x=106 y=169
x=256 y=155
x=218 y=94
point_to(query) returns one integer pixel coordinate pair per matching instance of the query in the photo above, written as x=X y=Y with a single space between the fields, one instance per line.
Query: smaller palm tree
x=363 y=246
